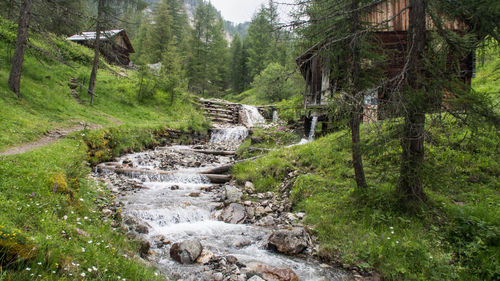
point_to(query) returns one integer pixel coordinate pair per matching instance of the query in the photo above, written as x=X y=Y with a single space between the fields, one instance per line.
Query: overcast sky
x=239 y=11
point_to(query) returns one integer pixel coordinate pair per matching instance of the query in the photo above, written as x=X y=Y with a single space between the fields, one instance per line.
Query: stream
x=176 y=203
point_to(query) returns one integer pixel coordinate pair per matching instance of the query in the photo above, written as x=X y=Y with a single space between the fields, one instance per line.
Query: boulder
x=271 y=273
x=235 y=213
x=232 y=193
x=289 y=242
x=186 y=252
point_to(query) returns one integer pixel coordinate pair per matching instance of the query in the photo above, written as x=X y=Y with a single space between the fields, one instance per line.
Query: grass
x=488 y=76
x=454 y=236
x=51 y=226
x=48 y=222
x=47 y=104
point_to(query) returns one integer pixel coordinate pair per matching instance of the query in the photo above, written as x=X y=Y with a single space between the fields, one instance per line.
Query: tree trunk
x=93 y=74
x=11 y=10
x=22 y=40
x=410 y=183
x=357 y=109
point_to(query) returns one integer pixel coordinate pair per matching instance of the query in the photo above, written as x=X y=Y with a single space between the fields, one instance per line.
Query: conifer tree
x=207 y=69
x=259 y=42
x=237 y=64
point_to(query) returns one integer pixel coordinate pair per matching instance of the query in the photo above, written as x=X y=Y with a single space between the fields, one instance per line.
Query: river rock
x=249 y=186
x=266 y=221
x=138 y=226
x=235 y=213
x=194 y=194
x=250 y=212
x=256 y=278
x=271 y=273
x=205 y=257
x=145 y=247
x=186 y=252
x=142 y=228
x=241 y=242
x=232 y=193
x=259 y=211
x=107 y=212
x=290 y=242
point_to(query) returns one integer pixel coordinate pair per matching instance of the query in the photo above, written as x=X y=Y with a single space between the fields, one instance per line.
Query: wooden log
x=217 y=170
x=214 y=152
x=218 y=178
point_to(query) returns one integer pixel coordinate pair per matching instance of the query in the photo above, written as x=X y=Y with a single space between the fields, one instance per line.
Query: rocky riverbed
x=193 y=229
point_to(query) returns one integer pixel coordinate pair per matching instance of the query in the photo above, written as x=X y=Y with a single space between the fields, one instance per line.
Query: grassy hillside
x=47 y=102
x=453 y=237
x=51 y=225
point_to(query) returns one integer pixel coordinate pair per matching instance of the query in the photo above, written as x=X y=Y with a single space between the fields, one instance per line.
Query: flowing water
x=254 y=118
x=166 y=207
x=275 y=116
x=314 y=122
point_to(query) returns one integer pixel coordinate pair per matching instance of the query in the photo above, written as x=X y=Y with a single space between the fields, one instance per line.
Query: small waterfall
x=275 y=116
x=254 y=118
x=229 y=135
x=314 y=122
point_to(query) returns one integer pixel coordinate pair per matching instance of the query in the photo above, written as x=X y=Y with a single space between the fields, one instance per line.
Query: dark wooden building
x=389 y=22
x=116 y=46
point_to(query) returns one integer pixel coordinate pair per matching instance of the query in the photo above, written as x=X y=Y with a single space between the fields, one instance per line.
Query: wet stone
x=290 y=242
x=235 y=213
x=186 y=252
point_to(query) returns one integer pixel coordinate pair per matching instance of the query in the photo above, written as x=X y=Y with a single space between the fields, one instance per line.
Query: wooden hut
x=389 y=22
x=115 y=44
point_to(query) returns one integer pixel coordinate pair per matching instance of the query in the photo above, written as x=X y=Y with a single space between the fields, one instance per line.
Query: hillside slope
x=51 y=225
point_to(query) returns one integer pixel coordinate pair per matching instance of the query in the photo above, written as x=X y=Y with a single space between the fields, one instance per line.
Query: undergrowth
x=454 y=236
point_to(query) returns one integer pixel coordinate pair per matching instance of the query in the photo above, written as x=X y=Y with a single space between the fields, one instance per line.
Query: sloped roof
x=90 y=35
x=105 y=35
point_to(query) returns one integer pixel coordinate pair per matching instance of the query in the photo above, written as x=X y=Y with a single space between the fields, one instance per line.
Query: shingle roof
x=90 y=35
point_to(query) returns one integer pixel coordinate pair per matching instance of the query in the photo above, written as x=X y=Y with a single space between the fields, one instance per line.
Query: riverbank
x=451 y=237
x=51 y=224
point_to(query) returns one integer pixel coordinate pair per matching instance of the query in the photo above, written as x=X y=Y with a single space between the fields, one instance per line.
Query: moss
x=12 y=252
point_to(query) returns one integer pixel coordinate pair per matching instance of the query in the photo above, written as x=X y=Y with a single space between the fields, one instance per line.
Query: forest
x=156 y=140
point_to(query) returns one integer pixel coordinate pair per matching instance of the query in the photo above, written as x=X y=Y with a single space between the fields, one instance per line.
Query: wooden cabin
x=115 y=44
x=389 y=21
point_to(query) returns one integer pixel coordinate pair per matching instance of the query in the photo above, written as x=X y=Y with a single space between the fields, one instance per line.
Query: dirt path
x=49 y=138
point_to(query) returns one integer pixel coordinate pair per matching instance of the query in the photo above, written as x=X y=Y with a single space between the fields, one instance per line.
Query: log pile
x=221 y=111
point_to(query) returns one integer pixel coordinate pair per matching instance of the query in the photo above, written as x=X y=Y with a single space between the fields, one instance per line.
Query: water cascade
x=229 y=135
x=253 y=117
x=314 y=122
x=184 y=205
x=275 y=116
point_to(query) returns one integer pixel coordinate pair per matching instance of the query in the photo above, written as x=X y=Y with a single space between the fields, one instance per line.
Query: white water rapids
x=174 y=214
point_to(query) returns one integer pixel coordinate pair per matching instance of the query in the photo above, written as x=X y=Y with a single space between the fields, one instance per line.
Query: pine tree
x=160 y=34
x=237 y=64
x=207 y=69
x=259 y=42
